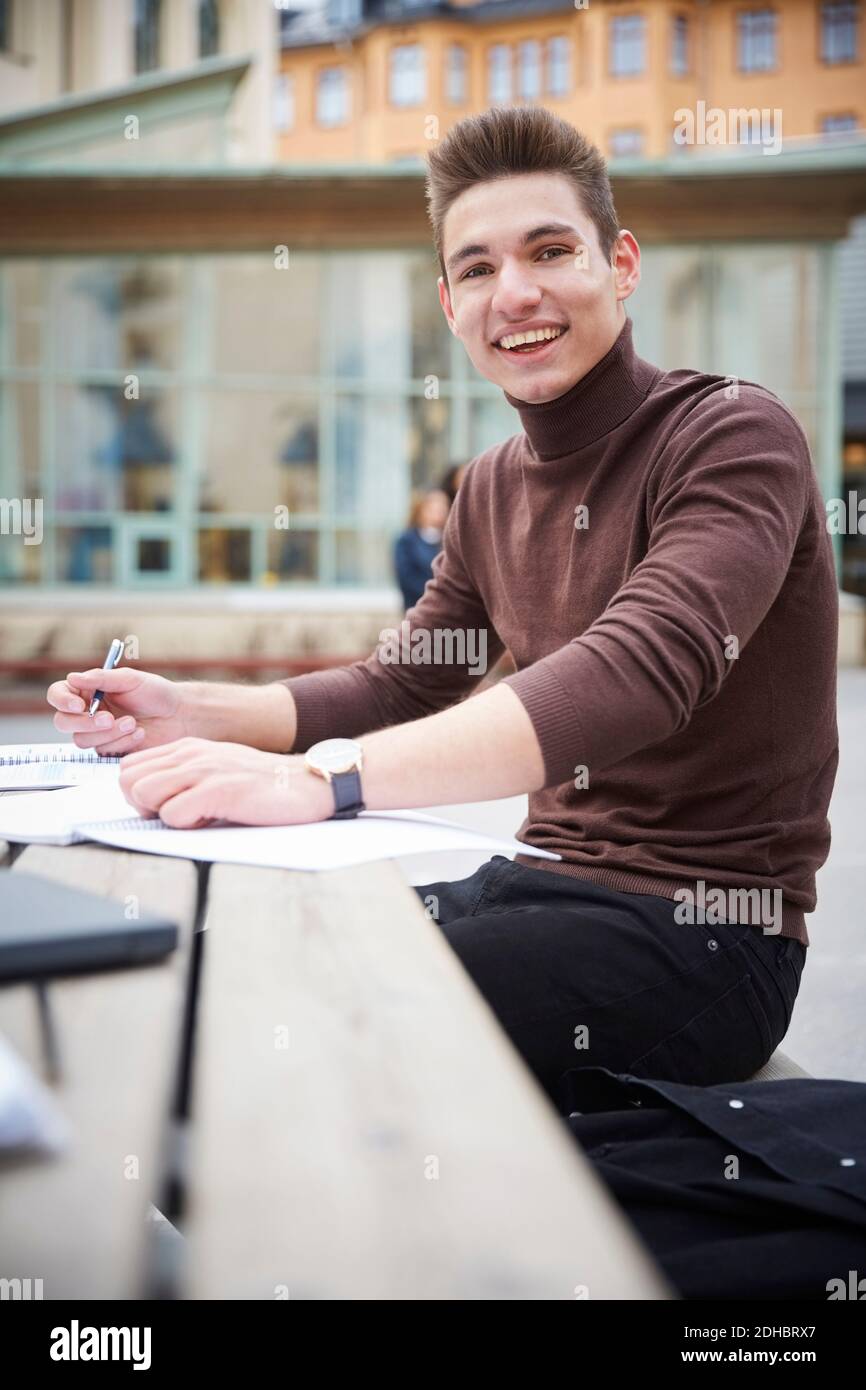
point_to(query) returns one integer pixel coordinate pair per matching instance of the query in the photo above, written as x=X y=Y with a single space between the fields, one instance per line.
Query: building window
x=455 y=75
x=146 y=35
x=499 y=73
x=839 y=32
x=627 y=141
x=284 y=102
x=558 y=66
x=839 y=124
x=407 y=77
x=332 y=96
x=529 y=70
x=208 y=28
x=627 y=54
x=756 y=40
x=679 y=46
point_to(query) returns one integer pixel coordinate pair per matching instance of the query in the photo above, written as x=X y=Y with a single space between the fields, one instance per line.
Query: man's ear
x=626 y=264
x=445 y=301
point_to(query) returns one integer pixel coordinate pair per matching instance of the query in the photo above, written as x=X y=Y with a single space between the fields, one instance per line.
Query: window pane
x=146 y=35
x=119 y=314
x=627 y=36
x=372 y=445
x=84 y=555
x=261 y=451
x=293 y=556
x=490 y=422
x=407 y=84
x=839 y=33
x=756 y=40
x=679 y=63
x=364 y=557
x=114 y=454
x=499 y=73
x=627 y=142
x=24 y=287
x=265 y=319
x=20 y=440
x=332 y=97
x=671 y=306
x=429 y=452
x=208 y=28
x=767 y=319
x=559 y=66
x=455 y=78
x=284 y=102
x=529 y=70
x=366 y=341
x=224 y=555
x=430 y=335
x=153 y=554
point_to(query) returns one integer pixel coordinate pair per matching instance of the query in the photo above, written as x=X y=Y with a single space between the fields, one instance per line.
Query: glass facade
x=197 y=420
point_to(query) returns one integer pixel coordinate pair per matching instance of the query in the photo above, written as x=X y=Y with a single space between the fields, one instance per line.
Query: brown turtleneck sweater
x=652 y=550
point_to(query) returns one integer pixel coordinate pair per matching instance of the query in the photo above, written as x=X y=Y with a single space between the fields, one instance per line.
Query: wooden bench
x=316 y=1096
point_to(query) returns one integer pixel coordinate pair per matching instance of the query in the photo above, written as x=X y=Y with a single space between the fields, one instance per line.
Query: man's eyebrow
x=477 y=249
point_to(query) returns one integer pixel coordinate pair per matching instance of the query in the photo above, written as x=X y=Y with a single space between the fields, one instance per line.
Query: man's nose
x=516 y=290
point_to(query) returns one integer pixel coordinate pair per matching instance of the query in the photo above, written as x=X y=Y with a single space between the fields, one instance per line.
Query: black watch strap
x=346 y=787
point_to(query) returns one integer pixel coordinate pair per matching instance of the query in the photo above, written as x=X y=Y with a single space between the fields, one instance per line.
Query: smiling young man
x=651 y=549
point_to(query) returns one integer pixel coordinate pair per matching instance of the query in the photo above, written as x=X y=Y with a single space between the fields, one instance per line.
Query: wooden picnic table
x=314 y=1093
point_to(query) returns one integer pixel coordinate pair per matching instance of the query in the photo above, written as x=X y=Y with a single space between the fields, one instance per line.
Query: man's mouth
x=536 y=342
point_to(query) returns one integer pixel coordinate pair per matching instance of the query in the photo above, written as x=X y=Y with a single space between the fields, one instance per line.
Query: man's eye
x=470 y=274
x=558 y=250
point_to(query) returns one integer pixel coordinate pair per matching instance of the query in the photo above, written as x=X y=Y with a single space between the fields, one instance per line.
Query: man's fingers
x=184 y=811
x=115 y=682
x=149 y=791
x=60 y=696
x=94 y=735
x=103 y=723
x=121 y=746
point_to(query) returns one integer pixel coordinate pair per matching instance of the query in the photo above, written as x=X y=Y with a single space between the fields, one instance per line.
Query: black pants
x=580 y=976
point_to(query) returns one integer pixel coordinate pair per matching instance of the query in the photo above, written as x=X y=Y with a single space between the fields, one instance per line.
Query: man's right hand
x=140 y=710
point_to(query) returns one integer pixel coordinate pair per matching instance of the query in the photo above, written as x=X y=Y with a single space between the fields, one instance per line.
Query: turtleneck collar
x=593 y=406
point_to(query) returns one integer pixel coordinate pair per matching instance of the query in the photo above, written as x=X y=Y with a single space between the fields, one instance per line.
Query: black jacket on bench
x=751 y=1190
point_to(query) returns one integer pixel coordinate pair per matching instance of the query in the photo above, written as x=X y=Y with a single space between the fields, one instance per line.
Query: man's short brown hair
x=518 y=140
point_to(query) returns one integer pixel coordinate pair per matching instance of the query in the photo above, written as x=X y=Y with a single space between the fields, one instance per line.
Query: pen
x=115 y=652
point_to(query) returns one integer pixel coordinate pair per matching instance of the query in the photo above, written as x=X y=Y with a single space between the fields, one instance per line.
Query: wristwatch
x=339 y=761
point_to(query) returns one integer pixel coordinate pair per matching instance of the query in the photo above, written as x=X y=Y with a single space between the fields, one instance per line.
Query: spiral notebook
x=40 y=766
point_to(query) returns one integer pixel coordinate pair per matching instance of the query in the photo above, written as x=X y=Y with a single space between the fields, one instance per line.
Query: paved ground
x=827 y=1036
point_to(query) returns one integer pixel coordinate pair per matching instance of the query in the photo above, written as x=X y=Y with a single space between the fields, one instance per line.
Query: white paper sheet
x=52 y=817
x=328 y=844
x=29 y=1117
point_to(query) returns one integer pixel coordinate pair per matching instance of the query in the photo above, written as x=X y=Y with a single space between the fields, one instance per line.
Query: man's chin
x=536 y=387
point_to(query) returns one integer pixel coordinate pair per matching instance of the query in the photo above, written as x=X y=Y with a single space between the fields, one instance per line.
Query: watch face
x=335 y=755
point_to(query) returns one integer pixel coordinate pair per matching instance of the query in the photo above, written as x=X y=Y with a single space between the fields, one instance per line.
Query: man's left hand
x=194 y=781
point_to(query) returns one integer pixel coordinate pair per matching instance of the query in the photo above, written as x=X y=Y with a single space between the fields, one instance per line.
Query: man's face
x=558 y=279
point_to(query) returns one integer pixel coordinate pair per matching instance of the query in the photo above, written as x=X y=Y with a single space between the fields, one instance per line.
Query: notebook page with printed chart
x=35 y=766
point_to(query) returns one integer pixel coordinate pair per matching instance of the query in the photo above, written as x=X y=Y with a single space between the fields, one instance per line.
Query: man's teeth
x=535 y=335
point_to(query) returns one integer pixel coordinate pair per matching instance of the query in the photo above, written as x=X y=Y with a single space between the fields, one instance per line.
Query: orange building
x=377 y=80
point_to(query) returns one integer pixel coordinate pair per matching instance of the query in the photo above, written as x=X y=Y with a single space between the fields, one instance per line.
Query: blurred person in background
x=416 y=548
